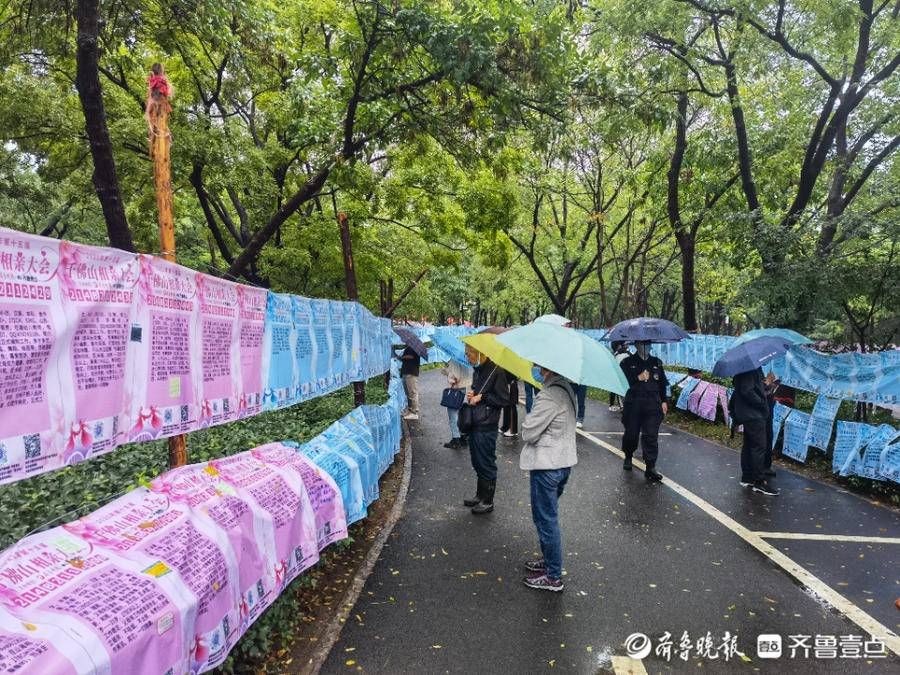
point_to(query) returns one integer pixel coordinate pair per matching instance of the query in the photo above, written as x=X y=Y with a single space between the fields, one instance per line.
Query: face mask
x=643 y=350
x=536 y=374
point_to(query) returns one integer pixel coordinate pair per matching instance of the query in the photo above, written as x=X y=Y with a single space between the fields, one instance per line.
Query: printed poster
x=219 y=377
x=31 y=323
x=795 y=427
x=321 y=320
x=190 y=557
x=122 y=615
x=821 y=422
x=279 y=364
x=168 y=352
x=306 y=352
x=289 y=542
x=252 y=324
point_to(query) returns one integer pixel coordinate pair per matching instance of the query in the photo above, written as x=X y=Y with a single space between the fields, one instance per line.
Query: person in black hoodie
x=749 y=406
x=490 y=394
x=644 y=407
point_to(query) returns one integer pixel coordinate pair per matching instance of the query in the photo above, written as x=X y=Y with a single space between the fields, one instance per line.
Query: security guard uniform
x=642 y=411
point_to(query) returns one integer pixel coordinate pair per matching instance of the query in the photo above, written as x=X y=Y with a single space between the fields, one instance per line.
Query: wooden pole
x=158 y=110
x=359 y=388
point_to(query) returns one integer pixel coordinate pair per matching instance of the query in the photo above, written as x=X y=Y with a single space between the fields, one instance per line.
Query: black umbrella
x=750 y=355
x=412 y=341
x=646 y=329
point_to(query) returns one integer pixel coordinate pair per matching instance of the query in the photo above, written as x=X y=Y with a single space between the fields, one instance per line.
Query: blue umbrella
x=791 y=336
x=448 y=339
x=750 y=355
x=412 y=341
x=646 y=329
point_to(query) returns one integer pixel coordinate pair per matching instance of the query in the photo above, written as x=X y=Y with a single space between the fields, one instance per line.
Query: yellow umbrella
x=487 y=344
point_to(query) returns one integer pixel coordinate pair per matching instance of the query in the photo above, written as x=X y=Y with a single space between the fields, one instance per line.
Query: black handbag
x=453 y=398
x=471 y=417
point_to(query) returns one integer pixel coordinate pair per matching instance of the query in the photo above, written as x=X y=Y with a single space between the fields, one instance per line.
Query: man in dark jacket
x=489 y=395
x=750 y=407
x=644 y=407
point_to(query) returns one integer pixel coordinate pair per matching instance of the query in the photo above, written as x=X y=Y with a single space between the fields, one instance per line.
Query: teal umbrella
x=565 y=351
x=791 y=336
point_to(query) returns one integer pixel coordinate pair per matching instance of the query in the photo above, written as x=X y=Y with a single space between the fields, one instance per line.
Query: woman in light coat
x=459 y=376
x=549 y=455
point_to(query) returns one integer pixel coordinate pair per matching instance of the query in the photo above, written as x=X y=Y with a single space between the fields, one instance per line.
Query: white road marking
x=805 y=577
x=619 y=433
x=828 y=537
x=625 y=665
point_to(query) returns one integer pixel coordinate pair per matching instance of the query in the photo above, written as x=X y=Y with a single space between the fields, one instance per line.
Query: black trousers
x=642 y=420
x=511 y=412
x=753 y=451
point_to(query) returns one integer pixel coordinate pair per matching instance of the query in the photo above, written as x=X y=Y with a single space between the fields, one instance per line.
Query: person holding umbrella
x=488 y=395
x=749 y=404
x=645 y=403
x=549 y=431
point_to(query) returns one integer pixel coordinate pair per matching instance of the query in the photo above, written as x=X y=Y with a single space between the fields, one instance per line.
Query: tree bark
x=87 y=81
x=359 y=388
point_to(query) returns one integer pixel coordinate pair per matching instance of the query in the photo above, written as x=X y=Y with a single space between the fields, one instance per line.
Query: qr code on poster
x=226 y=405
x=32 y=444
x=185 y=417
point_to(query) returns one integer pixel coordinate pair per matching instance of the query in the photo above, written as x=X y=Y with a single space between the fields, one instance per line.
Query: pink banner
x=117 y=612
x=98 y=299
x=324 y=495
x=290 y=540
x=166 y=541
x=220 y=370
x=164 y=392
x=252 y=304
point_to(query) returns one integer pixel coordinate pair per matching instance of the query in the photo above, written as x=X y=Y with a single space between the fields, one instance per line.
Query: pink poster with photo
x=290 y=543
x=252 y=304
x=31 y=417
x=218 y=378
x=324 y=494
x=200 y=487
x=696 y=395
x=121 y=616
x=706 y=408
x=97 y=291
x=165 y=328
x=191 y=555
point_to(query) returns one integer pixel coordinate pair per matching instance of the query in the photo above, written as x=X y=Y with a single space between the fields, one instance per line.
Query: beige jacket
x=549 y=429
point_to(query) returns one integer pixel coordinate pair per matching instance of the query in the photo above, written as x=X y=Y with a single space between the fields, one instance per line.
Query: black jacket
x=748 y=402
x=494 y=390
x=654 y=389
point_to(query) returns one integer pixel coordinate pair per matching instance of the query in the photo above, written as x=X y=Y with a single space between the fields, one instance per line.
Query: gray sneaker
x=544 y=583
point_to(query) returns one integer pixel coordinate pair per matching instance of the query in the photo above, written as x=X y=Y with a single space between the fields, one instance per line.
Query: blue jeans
x=483 y=451
x=453 y=416
x=529 y=396
x=546 y=489
x=580 y=394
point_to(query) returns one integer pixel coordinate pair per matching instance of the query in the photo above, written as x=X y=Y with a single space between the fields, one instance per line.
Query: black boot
x=487 y=498
x=627 y=465
x=651 y=474
x=453 y=444
x=479 y=494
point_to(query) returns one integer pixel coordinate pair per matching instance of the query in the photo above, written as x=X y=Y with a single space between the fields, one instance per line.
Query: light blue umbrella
x=568 y=352
x=553 y=319
x=791 y=336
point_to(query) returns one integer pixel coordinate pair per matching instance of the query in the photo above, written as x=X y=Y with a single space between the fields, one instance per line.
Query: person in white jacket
x=548 y=455
x=459 y=376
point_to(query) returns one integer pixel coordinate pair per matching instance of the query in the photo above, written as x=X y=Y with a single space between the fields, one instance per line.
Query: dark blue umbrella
x=410 y=340
x=750 y=355
x=646 y=329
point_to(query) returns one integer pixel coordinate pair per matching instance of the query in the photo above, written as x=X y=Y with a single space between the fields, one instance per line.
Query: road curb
x=332 y=631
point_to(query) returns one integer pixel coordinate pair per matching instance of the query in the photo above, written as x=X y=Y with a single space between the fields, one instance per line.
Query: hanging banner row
x=100 y=347
x=167 y=578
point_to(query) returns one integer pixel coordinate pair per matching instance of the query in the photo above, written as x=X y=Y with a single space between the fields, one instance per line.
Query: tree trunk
x=87 y=81
x=359 y=388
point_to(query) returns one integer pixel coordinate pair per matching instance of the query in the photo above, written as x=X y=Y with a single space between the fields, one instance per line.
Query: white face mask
x=643 y=350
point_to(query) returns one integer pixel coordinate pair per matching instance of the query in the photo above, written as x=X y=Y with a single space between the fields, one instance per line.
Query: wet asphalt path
x=446 y=595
